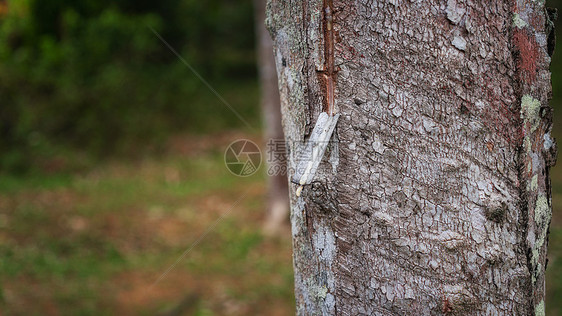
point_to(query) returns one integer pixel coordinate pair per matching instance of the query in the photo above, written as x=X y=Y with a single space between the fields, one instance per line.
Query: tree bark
x=436 y=198
x=277 y=197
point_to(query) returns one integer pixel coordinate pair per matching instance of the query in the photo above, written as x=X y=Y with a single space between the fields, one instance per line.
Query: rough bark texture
x=278 y=202
x=437 y=198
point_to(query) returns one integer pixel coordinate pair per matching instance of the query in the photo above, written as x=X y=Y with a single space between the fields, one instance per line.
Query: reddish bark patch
x=528 y=54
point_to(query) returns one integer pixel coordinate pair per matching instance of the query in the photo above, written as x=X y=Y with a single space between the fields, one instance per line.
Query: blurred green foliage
x=554 y=267
x=91 y=76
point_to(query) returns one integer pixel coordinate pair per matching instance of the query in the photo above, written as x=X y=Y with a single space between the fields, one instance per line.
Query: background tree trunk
x=278 y=196
x=437 y=198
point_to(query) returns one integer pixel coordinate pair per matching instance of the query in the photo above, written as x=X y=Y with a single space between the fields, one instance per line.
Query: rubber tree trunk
x=436 y=199
x=278 y=196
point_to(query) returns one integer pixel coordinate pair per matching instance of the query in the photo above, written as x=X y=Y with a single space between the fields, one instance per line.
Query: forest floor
x=101 y=243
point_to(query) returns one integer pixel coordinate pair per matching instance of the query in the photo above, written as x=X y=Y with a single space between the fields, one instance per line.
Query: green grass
x=94 y=243
x=14 y=183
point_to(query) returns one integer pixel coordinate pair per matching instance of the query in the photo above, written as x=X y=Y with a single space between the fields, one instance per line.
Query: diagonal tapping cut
x=327 y=76
x=313 y=151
